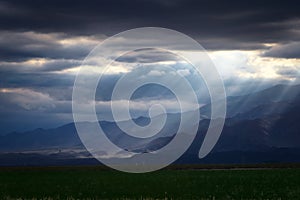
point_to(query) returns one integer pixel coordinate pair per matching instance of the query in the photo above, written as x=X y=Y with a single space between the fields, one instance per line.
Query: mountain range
x=260 y=127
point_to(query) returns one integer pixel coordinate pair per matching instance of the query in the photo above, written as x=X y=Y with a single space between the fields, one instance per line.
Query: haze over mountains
x=260 y=127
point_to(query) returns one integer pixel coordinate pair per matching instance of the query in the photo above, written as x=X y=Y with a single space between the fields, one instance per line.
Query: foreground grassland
x=96 y=183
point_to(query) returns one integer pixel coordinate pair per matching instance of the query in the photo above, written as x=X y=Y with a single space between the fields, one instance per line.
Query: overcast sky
x=254 y=44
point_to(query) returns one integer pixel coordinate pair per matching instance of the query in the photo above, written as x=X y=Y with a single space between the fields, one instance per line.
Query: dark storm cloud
x=17 y=46
x=230 y=44
x=243 y=22
x=148 y=56
x=35 y=80
x=288 y=72
x=36 y=65
x=57 y=86
x=291 y=50
x=39 y=95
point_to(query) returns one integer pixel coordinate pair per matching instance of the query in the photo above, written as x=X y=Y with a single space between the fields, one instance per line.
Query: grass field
x=97 y=183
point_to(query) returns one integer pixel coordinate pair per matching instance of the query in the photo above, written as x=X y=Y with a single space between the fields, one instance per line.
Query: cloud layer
x=254 y=44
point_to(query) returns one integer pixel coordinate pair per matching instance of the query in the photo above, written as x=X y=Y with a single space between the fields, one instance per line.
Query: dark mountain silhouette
x=61 y=137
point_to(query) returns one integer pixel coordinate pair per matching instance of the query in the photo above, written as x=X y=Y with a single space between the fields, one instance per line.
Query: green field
x=97 y=183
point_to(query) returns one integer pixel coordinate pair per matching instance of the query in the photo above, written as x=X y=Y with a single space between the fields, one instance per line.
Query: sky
x=254 y=45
